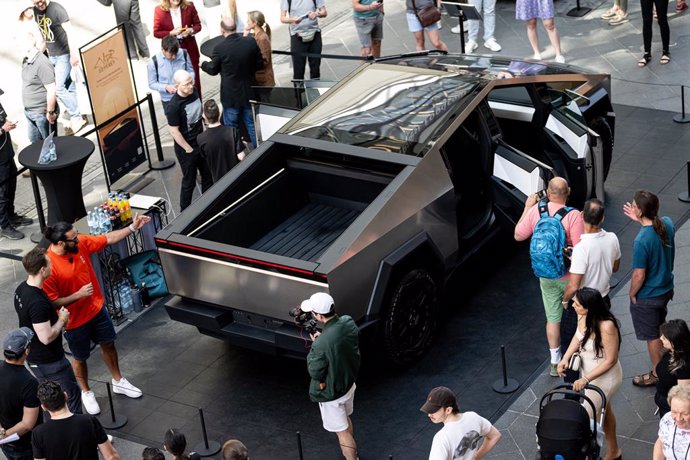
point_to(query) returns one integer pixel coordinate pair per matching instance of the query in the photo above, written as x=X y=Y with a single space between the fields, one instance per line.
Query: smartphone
x=541 y=194
x=304 y=16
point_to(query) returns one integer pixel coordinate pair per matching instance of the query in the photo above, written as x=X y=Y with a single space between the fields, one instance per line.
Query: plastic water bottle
x=125 y=297
x=53 y=154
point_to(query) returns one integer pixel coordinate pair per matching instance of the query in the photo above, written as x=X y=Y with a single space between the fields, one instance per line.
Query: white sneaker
x=493 y=45
x=470 y=46
x=123 y=387
x=536 y=56
x=455 y=29
x=440 y=24
x=88 y=399
x=560 y=59
x=77 y=124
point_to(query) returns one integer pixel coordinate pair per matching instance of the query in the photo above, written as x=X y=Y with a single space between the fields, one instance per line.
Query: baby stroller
x=564 y=427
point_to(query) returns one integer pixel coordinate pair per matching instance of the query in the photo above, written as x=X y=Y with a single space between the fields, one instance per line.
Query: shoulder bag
x=428 y=14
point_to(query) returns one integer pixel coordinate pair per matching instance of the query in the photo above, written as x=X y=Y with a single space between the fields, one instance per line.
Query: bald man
x=552 y=289
x=185 y=124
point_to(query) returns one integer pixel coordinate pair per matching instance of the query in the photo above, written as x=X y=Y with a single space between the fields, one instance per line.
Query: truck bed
x=308 y=232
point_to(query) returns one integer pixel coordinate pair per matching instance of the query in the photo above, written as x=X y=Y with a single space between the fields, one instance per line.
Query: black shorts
x=648 y=314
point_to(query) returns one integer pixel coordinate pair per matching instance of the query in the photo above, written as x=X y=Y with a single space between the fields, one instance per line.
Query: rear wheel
x=410 y=322
x=603 y=129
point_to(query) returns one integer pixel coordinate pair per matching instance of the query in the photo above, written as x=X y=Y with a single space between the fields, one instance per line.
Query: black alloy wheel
x=410 y=322
x=603 y=129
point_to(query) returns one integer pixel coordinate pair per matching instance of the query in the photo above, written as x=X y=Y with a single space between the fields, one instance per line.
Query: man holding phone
x=305 y=34
x=9 y=219
x=368 y=17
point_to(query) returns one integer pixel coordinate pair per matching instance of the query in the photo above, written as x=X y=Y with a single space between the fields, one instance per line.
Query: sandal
x=665 y=59
x=645 y=380
x=644 y=60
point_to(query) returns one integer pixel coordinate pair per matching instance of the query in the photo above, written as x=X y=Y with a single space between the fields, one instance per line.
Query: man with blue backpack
x=553 y=227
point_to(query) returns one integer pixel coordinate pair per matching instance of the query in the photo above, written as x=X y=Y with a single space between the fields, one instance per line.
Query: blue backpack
x=548 y=242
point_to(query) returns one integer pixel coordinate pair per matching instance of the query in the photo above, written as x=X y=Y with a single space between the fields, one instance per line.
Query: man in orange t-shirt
x=74 y=285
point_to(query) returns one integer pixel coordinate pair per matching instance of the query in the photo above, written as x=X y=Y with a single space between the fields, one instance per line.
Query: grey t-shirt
x=300 y=8
x=37 y=72
x=419 y=3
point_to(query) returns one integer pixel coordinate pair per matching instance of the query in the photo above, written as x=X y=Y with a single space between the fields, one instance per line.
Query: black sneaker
x=11 y=233
x=19 y=220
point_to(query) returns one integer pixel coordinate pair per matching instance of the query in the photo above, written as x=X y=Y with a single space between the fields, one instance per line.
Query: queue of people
x=577 y=305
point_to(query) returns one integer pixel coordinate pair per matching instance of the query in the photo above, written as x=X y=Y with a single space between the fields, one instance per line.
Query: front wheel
x=600 y=126
x=410 y=322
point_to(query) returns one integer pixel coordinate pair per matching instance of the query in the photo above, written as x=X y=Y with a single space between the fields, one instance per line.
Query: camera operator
x=333 y=363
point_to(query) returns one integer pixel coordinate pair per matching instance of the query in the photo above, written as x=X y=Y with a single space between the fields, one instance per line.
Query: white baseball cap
x=320 y=303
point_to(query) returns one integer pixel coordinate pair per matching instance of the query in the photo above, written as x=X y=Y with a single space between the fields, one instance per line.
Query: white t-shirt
x=673 y=448
x=594 y=257
x=460 y=440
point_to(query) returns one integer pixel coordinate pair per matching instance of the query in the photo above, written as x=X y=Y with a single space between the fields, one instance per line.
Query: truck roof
x=398 y=104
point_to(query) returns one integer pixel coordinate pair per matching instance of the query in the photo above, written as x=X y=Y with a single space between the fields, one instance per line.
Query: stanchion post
x=116 y=421
x=505 y=385
x=682 y=118
x=162 y=163
x=36 y=237
x=208 y=448
x=299 y=446
x=685 y=196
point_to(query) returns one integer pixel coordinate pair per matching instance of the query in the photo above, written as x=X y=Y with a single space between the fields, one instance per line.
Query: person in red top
x=73 y=284
x=180 y=19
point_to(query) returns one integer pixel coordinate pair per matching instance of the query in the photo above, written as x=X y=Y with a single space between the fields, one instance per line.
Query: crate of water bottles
x=113 y=214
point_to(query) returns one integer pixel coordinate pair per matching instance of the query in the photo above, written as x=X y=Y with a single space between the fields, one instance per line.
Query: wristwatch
x=2 y=432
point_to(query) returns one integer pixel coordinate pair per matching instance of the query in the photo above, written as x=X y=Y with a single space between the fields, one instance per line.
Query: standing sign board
x=111 y=88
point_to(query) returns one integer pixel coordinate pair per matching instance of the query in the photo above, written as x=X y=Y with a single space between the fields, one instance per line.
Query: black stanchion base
x=165 y=164
x=498 y=386
x=684 y=197
x=578 y=12
x=109 y=424
x=36 y=237
x=681 y=119
x=212 y=449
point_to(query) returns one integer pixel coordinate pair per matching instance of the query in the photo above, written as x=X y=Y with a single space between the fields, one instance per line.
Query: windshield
x=390 y=108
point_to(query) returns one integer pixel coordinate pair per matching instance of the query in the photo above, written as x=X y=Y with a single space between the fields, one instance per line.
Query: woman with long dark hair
x=651 y=286
x=674 y=367
x=175 y=443
x=598 y=341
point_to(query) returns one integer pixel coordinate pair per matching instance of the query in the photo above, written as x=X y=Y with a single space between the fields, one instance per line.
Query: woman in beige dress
x=598 y=340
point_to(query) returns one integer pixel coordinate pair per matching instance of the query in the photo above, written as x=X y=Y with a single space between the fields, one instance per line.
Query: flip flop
x=645 y=380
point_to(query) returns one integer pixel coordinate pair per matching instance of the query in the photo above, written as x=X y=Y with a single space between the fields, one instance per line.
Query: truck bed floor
x=308 y=232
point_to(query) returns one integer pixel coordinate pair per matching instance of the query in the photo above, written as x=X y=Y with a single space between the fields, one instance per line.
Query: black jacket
x=237 y=59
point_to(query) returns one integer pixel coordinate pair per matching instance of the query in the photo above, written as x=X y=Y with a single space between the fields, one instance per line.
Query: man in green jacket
x=333 y=364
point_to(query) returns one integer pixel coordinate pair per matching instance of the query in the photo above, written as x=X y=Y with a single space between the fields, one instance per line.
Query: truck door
x=514 y=175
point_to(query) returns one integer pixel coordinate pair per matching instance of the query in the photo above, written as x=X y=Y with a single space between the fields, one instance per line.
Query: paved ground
x=650 y=154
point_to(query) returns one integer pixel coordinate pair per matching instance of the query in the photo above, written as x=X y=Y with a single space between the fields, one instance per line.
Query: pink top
x=572 y=222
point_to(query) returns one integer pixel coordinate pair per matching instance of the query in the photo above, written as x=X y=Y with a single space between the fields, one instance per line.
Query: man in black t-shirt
x=185 y=124
x=47 y=358
x=220 y=145
x=68 y=436
x=19 y=406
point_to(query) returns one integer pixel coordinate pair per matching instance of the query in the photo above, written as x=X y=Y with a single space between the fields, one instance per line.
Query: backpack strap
x=185 y=55
x=543 y=209
x=561 y=213
x=155 y=65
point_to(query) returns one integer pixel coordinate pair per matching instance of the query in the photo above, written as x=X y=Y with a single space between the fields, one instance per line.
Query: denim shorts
x=369 y=30
x=98 y=330
x=413 y=24
x=649 y=314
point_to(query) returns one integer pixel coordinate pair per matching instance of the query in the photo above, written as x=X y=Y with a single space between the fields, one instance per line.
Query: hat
x=320 y=303
x=439 y=398
x=17 y=340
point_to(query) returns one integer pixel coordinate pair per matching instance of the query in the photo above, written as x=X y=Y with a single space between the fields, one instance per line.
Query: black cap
x=439 y=398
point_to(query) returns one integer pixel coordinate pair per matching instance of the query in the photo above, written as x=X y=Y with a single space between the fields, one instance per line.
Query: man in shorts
x=333 y=363
x=368 y=17
x=552 y=289
x=461 y=432
x=73 y=284
x=651 y=285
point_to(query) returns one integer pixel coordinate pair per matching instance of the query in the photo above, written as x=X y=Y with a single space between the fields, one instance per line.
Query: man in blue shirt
x=164 y=65
x=651 y=286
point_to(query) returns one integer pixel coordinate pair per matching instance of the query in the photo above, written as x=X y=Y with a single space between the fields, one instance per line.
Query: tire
x=603 y=129
x=409 y=324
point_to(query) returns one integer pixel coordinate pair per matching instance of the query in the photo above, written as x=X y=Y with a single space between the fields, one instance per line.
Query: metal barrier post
x=506 y=385
x=685 y=196
x=115 y=421
x=162 y=163
x=208 y=448
x=682 y=118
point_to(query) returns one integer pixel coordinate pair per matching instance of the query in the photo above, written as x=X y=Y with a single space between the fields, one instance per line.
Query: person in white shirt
x=462 y=432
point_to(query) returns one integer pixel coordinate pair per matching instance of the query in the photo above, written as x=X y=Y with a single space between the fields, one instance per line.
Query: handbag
x=428 y=14
x=575 y=362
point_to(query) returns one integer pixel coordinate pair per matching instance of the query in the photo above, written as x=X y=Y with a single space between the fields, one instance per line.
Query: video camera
x=304 y=320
